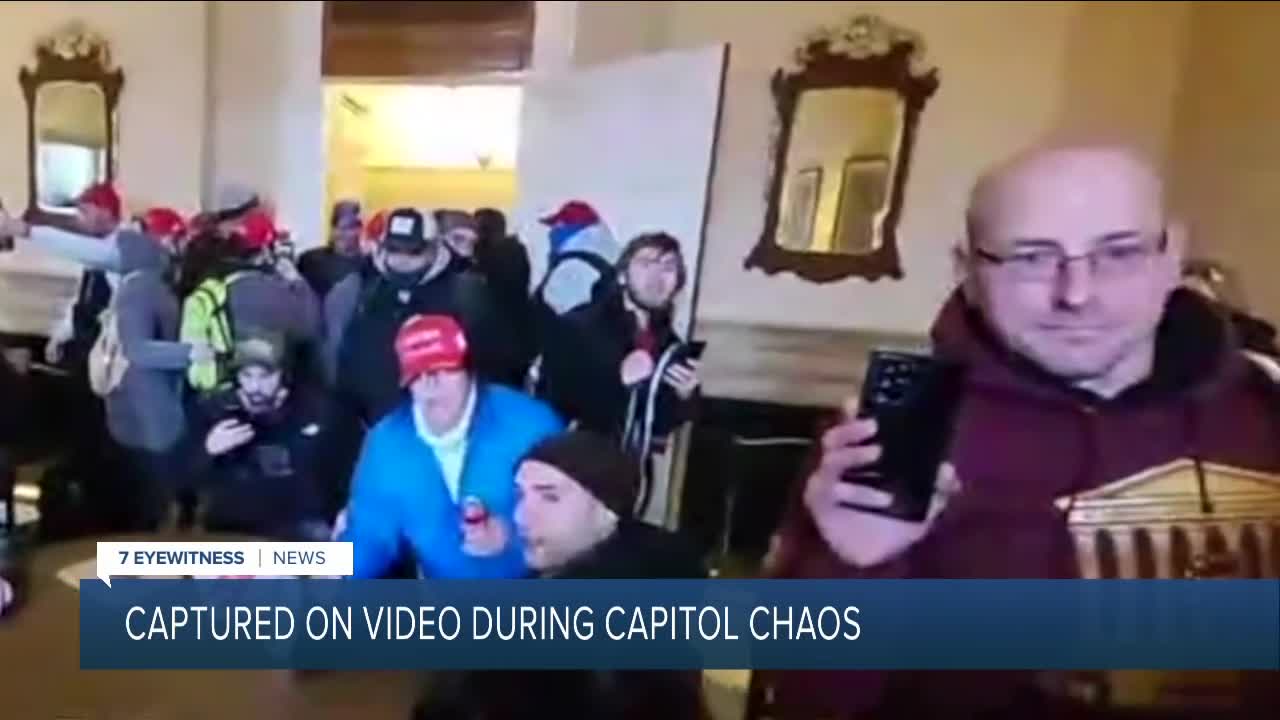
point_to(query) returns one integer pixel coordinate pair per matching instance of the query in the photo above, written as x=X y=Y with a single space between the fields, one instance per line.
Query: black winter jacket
x=289 y=475
x=582 y=362
x=634 y=551
x=365 y=311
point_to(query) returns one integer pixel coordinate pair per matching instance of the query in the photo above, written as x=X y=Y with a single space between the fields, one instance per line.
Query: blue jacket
x=399 y=499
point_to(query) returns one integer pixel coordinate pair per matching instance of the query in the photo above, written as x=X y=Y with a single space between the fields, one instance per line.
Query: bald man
x=1085 y=364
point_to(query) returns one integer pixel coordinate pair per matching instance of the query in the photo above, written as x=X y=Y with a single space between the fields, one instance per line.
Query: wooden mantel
x=790 y=366
x=34 y=291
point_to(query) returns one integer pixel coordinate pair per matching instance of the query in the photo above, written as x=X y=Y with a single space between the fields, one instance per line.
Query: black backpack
x=546 y=320
x=608 y=276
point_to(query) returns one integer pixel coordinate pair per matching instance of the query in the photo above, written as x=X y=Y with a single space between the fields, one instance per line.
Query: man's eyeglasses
x=1109 y=261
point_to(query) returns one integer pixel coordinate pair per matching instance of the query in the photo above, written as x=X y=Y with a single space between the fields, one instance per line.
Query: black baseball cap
x=409 y=231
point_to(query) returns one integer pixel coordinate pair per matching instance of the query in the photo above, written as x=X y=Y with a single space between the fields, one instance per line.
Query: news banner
x=226 y=605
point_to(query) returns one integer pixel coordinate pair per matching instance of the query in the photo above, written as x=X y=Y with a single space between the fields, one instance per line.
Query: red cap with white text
x=430 y=343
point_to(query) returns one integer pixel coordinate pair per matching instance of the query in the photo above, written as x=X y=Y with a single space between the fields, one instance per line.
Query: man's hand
x=19 y=358
x=339 y=526
x=863 y=539
x=636 y=367
x=486 y=538
x=227 y=436
x=6 y=595
x=11 y=226
x=683 y=378
x=53 y=350
x=201 y=353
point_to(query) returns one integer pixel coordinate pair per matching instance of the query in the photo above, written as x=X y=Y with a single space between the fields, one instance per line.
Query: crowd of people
x=503 y=429
x=381 y=388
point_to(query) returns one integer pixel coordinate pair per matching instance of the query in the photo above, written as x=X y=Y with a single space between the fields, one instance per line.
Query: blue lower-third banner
x=630 y=624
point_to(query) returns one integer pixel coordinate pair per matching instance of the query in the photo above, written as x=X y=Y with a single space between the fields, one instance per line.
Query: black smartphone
x=695 y=349
x=914 y=399
x=232 y=409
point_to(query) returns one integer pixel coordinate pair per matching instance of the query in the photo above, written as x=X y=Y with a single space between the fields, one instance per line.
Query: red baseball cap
x=430 y=343
x=163 y=223
x=102 y=195
x=257 y=230
x=574 y=212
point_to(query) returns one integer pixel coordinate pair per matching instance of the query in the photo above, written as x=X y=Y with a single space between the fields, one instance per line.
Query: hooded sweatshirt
x=145 y=412
x=1023 y=439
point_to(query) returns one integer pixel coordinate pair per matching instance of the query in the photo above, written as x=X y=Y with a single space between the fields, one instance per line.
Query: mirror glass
x=840 y=166
x=71 y=142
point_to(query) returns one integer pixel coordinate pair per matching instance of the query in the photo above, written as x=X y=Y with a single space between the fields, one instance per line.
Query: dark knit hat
x=596 y=463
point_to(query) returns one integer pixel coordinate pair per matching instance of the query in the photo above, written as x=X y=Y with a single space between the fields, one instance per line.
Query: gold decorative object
x=847 y=111
x=1178 y=520
x=1181 y=520
x=74 y=42
x=864 y=36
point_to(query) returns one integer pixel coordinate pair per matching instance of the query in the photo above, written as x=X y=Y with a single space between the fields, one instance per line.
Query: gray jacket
x=146 y=411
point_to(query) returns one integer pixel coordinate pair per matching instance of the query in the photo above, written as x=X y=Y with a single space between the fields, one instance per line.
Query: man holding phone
x=270 y=458
x=616 y=364
x=1084 y=365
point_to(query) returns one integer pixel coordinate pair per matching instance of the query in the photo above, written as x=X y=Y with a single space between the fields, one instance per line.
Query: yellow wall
x=1010 y=73
x=421 y=187
x=1226 y=150
x=344 y=152
x=386 y=164
x=1191 y=83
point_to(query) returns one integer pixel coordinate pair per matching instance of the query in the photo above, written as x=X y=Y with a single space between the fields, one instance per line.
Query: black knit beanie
x=596 y=463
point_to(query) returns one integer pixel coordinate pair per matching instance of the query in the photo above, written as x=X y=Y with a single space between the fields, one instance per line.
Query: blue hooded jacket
x=399 y=500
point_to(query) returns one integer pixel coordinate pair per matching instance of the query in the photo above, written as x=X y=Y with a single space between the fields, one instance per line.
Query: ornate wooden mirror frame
x=70 y=55
x=866 y=53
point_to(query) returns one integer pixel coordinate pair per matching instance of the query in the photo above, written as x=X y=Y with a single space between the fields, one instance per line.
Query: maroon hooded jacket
x=1023 y=439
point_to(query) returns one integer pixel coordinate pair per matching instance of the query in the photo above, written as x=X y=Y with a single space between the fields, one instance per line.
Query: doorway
x=425 y=145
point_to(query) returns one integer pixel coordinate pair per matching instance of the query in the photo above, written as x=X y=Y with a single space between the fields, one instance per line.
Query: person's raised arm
x=92 y=252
